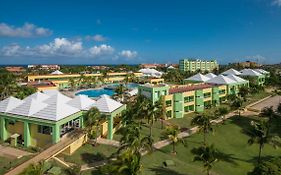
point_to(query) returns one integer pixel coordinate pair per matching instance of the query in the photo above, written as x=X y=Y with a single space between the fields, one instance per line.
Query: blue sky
x=139 y=31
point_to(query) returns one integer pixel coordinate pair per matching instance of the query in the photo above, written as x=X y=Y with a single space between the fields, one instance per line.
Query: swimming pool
x=98 y=92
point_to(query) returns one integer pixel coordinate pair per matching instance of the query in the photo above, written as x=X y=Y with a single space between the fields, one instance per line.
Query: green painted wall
x=199 y=101
x=178 y=105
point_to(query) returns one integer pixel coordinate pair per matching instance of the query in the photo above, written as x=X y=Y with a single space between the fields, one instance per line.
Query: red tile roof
x=189 y=88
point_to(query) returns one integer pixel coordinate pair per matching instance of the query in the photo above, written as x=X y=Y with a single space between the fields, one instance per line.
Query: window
x=169 y=114
x=168 y=103
x=189 y=99
x=207 y=95
x=44 y=130
x=11 y=122
x=222 y=91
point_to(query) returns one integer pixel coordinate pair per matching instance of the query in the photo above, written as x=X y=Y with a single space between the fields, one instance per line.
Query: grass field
x=6 y=164
x=239 y=157
x=88 y=154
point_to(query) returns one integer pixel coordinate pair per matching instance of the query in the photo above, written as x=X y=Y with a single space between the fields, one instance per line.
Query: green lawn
x=228 y=139
x=6 y=164
x=88 y=154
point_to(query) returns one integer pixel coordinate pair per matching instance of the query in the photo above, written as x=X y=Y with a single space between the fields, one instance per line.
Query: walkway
x=272 y=101
x=12 y=153
x=48 y=153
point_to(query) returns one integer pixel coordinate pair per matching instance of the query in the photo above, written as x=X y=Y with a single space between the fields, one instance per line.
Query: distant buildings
x=44 y=67
x=248 y=64
x=15 y=69
x=154 y=66
x=192 y=65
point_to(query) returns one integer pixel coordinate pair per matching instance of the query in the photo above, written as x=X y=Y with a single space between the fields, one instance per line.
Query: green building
x=42 y=119
x=194 y=65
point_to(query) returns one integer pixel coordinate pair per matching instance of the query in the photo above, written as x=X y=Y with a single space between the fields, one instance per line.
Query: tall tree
x=260 y=134
x=172 y=133
x=244 y=92
x=222 y=111
x=203 y=122
x=207 y=155
x=92 y=121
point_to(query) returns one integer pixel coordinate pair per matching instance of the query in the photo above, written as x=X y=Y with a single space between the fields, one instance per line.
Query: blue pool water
x=98 y=92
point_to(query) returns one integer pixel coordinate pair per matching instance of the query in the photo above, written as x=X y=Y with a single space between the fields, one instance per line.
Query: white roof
x=82 y=102
x=221 y=79
x=57 y=72
x=56 y=111
x=249 y=72
x=51 y=92
x=210 y=75
x=198 y=77
x=171 y=67
x=236 y=78
x=107 y=104
x=150 y=72
x=37 y=96
x=28 y=107
x=9 y=104
x=261 y=71
x=231 y=71
x=55 y=106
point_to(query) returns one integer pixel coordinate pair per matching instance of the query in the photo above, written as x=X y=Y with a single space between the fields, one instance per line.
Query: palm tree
x=207 y=155
x=92 y=121
x=72 y=83
x=161 y=110
x=222 y=111
x=35 y=169
x=268 y=112
x=120 y=90
x=204 y=124
x=237 y=104
x=152 y=115
x=243 y=92
x=172 y=133
x=260 y=134
x=8 y=84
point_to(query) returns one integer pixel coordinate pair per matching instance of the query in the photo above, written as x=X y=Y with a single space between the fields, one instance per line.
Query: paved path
x=108 y=142
x=46 y=154
x=272 y=101
x=12 y=153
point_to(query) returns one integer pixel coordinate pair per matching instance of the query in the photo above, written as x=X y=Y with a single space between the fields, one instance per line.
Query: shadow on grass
x=91 y=158
x=164 y=171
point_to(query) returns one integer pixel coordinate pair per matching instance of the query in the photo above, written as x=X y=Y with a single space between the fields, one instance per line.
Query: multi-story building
x=198 y=94
x=194 y=65
x=62 y=81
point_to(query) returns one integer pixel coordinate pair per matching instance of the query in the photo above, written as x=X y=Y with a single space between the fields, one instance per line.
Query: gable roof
x=210 y=75
x=106 y=104
x=221 y=79
x=231 y=71
x=82 y=102
x=9 y=104
x=249 y=72
x=236 y=78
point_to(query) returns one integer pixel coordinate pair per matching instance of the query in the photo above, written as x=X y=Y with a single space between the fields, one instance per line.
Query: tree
x=222 y=111
x=243 y=92
x=207 y=155
x=8 y=84
x=172 y=133
x=72 y=83
x=133 y=144
x=152 y=115
x=237 y=104
x=260 y=134
x=120 y=91
x=204 y=124
x=92 y=121
x=35 y=169
x=269 y=167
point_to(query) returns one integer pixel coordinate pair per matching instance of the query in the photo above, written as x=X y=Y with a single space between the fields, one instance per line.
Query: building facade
x=191 y=65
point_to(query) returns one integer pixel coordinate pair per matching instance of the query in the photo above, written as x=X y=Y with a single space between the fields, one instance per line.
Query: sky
x=139 y=31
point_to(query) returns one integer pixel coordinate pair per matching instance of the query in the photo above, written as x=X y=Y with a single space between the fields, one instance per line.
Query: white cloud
x=276 y=2
x=25 y=31
x=128 y=54
x=97 y=37
x=63 y=47
x=101 y=50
